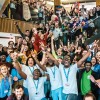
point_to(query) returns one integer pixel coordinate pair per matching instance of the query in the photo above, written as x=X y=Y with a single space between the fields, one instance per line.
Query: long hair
x=1 y=76
x=28 y=60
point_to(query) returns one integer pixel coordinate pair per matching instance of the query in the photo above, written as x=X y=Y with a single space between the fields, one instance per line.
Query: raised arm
x=37 y=61
x=52 y=58
x=18 y=67
x=52 y=48
x=43 y=59
x=80 y=62
x=19 y=30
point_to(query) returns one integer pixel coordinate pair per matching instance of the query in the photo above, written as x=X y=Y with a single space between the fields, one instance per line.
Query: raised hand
x=15 y=56
x=95 y=43
x=15 y=79
x=33 y=54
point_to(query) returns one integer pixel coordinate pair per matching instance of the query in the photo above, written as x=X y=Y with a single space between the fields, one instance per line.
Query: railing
x=7 y=25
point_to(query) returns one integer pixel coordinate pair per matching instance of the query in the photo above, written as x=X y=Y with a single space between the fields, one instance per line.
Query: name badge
x=5 y=91
x=67 y=84
x=88 y=77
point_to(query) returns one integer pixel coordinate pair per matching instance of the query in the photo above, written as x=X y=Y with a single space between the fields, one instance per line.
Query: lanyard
x=6 y=83
x=66 y=74
x=53 y=72
x=31 y=70
x=36 y=85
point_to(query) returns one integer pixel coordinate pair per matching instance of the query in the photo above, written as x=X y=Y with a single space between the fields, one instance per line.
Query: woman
x=5 y=82
x=28 y=69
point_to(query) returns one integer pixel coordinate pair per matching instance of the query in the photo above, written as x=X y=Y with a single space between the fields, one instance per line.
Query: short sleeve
x=24 y=68
x=75 y=66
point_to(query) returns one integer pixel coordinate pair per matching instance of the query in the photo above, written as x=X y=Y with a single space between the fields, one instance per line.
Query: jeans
x=47 y=89
x=69 y=96
x=99 y=97
x=57 y=94
x=79 y=97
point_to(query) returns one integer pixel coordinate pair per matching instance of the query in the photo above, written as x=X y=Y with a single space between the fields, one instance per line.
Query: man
x=18 y=94
x=68 y=72
x=27 y=32
x=86 y=84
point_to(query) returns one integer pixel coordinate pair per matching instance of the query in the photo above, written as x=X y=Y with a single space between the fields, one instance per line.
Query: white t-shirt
x=55 y=77
x=36 y=94
x=57 y=32
x=69 y=86
x=28 y=71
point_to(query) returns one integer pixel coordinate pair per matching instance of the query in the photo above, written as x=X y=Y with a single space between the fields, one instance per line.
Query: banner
x=26 y=11
x=3 y=5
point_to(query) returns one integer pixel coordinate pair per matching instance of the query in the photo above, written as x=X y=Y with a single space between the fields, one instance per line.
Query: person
x=5 y=82
x=89 y=96
x=57 y=34
x=13 y=9
x=52 y=68
x=27 y=32
x=68 y=73
x=35 y=83
x=83 y=9
x=3 y=56
x=28 y=69
x=18 y=94
x=86 y=84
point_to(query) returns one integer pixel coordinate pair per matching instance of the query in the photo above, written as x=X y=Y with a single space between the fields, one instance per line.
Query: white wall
x=6 y=37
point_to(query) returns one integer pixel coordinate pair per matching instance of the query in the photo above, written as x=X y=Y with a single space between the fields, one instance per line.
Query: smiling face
x=93 y=61
x=36 y=74
x=67 y=61
x=88 y=66
x=19 y=93
x=4 y=70
x=50 y=62
x=30 y=62
x=59 y=52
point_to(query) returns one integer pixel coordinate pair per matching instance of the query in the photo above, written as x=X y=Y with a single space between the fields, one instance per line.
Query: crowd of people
x=52 y=61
